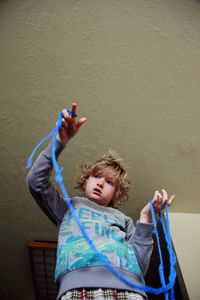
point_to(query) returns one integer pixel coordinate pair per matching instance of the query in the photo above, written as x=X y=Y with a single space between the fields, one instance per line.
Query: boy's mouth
x=97 y=191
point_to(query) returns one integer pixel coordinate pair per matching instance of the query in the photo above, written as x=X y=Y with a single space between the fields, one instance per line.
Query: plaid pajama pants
x=101 y=294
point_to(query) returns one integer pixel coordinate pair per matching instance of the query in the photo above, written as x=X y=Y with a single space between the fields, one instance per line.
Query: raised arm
x=141 y=235
x=159 y=201
x=38 y=179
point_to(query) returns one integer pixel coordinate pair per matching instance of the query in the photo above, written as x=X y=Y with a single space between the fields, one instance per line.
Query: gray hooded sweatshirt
x=126 y=247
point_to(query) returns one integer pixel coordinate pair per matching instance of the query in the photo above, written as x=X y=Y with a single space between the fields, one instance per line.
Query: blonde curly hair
x=111 y=165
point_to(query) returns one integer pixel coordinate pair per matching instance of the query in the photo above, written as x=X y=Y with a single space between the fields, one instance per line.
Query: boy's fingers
x=171 y=200
x=165 y=195
x=66 y=116
x=63 y=122
x=80 y=123
x=155 y=198
x=156 y=194
x=74 y=105
x=159 y=198
x=65 y=113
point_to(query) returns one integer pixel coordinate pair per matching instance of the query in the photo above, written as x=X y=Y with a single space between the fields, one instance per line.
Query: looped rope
x=165 y=288
x=58 y=176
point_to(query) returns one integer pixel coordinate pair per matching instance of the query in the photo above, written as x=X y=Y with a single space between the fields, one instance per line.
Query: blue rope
x=172 y=276
x=172 y=257
x=29 y=162
x=161 y=266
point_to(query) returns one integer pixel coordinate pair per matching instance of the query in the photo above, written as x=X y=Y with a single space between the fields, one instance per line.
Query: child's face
x=100 y=189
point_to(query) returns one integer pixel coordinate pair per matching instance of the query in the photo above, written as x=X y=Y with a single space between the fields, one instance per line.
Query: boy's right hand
x=70 y=126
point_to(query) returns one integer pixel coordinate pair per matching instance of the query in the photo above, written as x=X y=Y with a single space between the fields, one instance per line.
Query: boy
x=79 y=272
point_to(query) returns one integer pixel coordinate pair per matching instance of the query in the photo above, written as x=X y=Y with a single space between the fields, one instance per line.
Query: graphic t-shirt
x=107 y=230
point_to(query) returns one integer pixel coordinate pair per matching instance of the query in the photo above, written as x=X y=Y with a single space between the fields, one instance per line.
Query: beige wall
x=185 y=234
x=133 y=68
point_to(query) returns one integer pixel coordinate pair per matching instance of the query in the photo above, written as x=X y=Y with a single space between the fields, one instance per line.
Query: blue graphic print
x=108 y=234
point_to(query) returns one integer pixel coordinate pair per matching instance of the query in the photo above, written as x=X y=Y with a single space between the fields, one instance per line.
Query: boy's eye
x=109 y=182
x=96 y=176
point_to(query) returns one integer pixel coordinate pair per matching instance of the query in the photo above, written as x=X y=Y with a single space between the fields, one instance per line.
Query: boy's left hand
x=159 y=201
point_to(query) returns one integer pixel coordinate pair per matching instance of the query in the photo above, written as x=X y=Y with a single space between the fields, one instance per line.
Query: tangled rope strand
x=172 y=257
x=165 y=287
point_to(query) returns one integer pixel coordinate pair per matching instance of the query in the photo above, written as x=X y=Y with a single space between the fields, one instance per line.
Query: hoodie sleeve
x=140 y=236
x=38 y=181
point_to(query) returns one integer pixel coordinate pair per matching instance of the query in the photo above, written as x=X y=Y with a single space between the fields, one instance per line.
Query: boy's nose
x=101 y=182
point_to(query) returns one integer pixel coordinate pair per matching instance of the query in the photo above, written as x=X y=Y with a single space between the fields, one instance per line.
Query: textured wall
x=133 y=68
x=190 y=264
